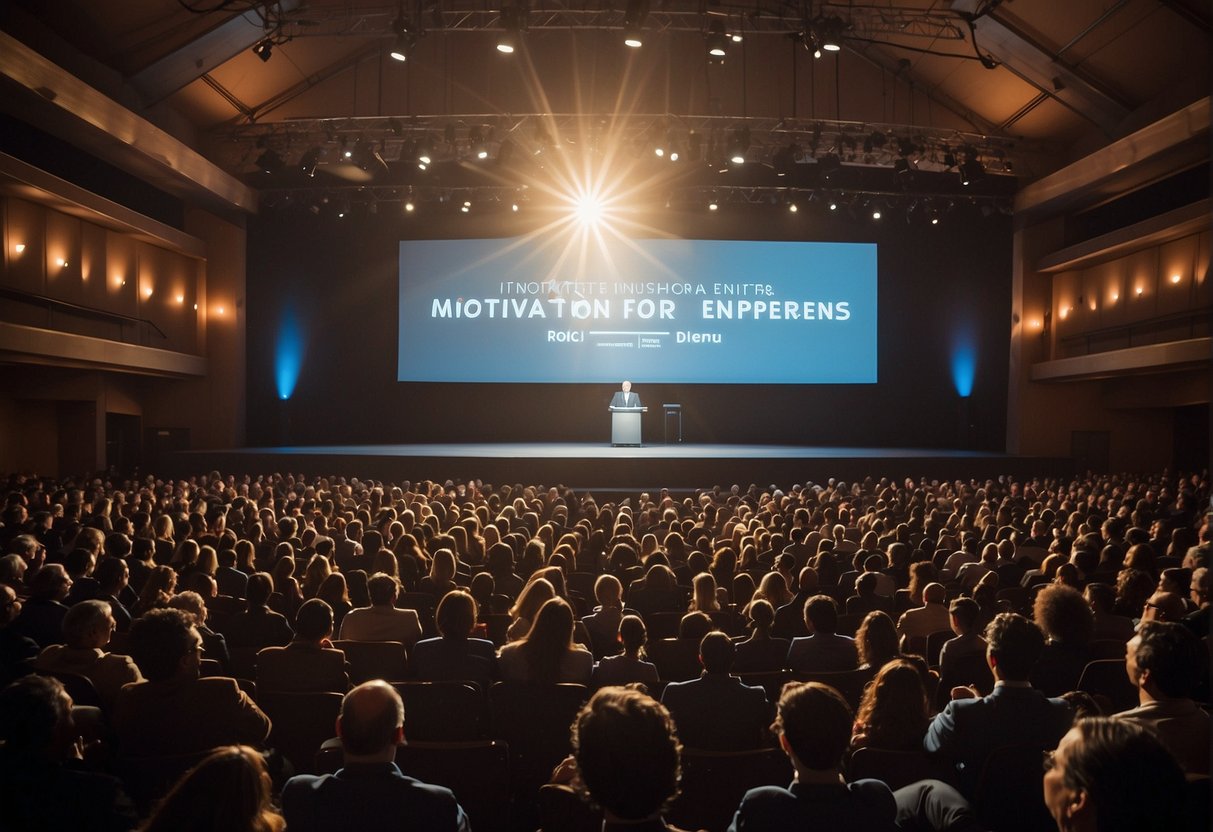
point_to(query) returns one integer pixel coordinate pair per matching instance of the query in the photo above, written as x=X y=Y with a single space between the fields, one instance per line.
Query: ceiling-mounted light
x=269 y=161
x=739 y=143
x=829 y=31
x=512 y=22
x=633 y=22
x=405 y=38
x=309 y=160
x=715 y=40
x=971 y=171
x=264 y=50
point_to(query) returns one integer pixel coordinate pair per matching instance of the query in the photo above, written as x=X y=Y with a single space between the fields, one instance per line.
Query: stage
x=599 y=466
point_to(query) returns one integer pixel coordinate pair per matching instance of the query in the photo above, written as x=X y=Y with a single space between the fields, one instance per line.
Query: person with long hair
x=629 y=666
x=534 y=595
x=318 y=569
x=893 y=714
x=228 y=790
x=761 y=652
x=547 y=654
x=157 y=590
x=703 y=593
x=441 y=579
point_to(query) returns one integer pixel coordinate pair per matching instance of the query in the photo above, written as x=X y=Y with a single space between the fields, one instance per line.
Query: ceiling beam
x=187 y=64
x=1033 y=64
x=43 y=94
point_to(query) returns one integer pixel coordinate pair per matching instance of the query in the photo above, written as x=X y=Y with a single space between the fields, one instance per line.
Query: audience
x=369 y=792
x=382 y=620
x=1141 y=535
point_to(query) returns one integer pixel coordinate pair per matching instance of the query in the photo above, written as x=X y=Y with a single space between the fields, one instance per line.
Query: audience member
x=1112 y=775
x=174 y=711
x=761 y=652
x=1015 y=713
x=547 y=654
x=229 y=790
x=894 y=713
x=822 y=650
x=309 y=662
x=454 y=655
x=87 y=628
x=382 y=620
x=717 y=712
x=44 y=786
x=629 y=666
x=15 y=649
x=369 y=792
x=1164 y=662
x=258 y=626
x=1067 y=622
x=41 y=616
x=931 y=617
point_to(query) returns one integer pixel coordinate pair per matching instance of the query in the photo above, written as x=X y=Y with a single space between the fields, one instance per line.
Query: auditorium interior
x=210 y=211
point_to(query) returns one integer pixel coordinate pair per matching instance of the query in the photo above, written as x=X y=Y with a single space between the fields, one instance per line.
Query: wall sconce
x=147 y=292
x=60 y=262
x=18 y=248
x=1175 y=278
x=180 y=298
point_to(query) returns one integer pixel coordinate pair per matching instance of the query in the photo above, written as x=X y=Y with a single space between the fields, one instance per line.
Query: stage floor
x=586 y=465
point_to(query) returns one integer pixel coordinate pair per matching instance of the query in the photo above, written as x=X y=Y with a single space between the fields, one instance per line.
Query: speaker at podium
x=625 y=426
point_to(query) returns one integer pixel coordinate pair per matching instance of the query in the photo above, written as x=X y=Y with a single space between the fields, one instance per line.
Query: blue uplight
x=288 y=353
x=964 y=361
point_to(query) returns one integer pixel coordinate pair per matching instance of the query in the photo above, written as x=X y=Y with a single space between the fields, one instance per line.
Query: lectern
x=625 y=425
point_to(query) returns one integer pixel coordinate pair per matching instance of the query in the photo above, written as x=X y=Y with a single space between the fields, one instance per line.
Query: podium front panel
x=625 y=427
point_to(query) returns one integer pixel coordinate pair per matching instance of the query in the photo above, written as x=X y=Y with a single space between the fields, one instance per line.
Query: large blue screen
x=649 y=310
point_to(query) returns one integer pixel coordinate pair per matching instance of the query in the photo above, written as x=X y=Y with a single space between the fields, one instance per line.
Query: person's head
x=314 y=620
x=1013 y=646
x=1199 y=586
x=895 y=701
x=1113 y=775
x=704 y=587
x=1101 y=598
x=36 y=718
x=608 y=591
x=50 y=583
x=963 y=614
x=626 y=387
x=1163 y=606
x=192 y=603
x=632 y=634
x=371 y=722
x=236 y=772
x=762 y=615
x=260 y=588
x=112 y=575
x=550 y=637
x=716 y=652
x=865 y=584
x=456 y=614
x=934 y=593
x=1164 y=659
x=876 y=639
x=383 y=590
x=821 y=615
x=165 y=645
x=1064 y=616
x=534 y=595
x=694 y=626
x=88 y=625
x=627 y=753
x=10 y=605
x=813 y=723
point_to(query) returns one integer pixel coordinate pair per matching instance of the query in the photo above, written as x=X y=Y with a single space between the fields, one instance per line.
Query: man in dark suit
x=175 y=711
x=822 y=650
x=369 y=793
x=309 y=662
x=970 y=728
x=624 y=397
x=716 y=712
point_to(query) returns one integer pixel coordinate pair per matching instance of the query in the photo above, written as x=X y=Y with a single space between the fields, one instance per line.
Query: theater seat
x=301 y=723
x=713 y=783
x=387 y=660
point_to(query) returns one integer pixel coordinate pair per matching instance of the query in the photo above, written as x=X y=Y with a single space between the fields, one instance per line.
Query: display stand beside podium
x=625 y=425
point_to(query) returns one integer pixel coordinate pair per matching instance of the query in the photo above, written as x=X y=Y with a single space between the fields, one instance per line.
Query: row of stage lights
x=822 y=34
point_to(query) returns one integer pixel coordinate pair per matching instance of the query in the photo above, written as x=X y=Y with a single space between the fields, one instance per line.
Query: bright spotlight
x=588 y=209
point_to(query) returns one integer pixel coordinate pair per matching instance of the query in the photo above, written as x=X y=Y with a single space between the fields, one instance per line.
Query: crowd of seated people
x=148 y=620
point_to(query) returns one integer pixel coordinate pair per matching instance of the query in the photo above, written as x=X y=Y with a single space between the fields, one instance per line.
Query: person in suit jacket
x=971 y=727
x=87 y=627
x=174 y=711
x=822 y=650
x=309 y=662
x=624 y=397
x=789 y=619
x=716 y=712
x=258 y=626
x=455 y=655
x=369 y=792
x=382 y=621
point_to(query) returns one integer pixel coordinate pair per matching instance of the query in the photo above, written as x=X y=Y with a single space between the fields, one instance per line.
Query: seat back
x=850 y=683
x=301 y=723
x=1009 y=796
x=676 y=660
x=147 y=779
x=895 y=768
x=713 y=784
x=387 y=660
x=444 y=711
x=562 y=810
x=1107 y=678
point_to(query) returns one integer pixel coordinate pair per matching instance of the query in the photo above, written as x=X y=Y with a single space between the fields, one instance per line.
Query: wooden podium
x=625 y=426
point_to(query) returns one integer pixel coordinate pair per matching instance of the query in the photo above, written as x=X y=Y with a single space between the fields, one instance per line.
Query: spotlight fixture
x=425 y=153
x=832 y=203
x=739 y=143
x=876 y=212
x=716 y=40
x=269 y=161
x=512 y=19
x=264 y=50
x=970 y=171
x=466 y=207
x=713 y=205
x=830 y=164
x=633 y=23
x=409 y=207
x=309 y=160
x=405 y=39
x=793 y=207
x=830 y=30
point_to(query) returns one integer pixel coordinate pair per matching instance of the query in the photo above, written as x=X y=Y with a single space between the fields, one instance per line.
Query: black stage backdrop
x=337 y=279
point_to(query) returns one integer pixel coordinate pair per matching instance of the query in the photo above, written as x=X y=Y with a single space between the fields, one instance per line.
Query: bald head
x=371 y=723
x=934 y=594
x=1164 y=606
